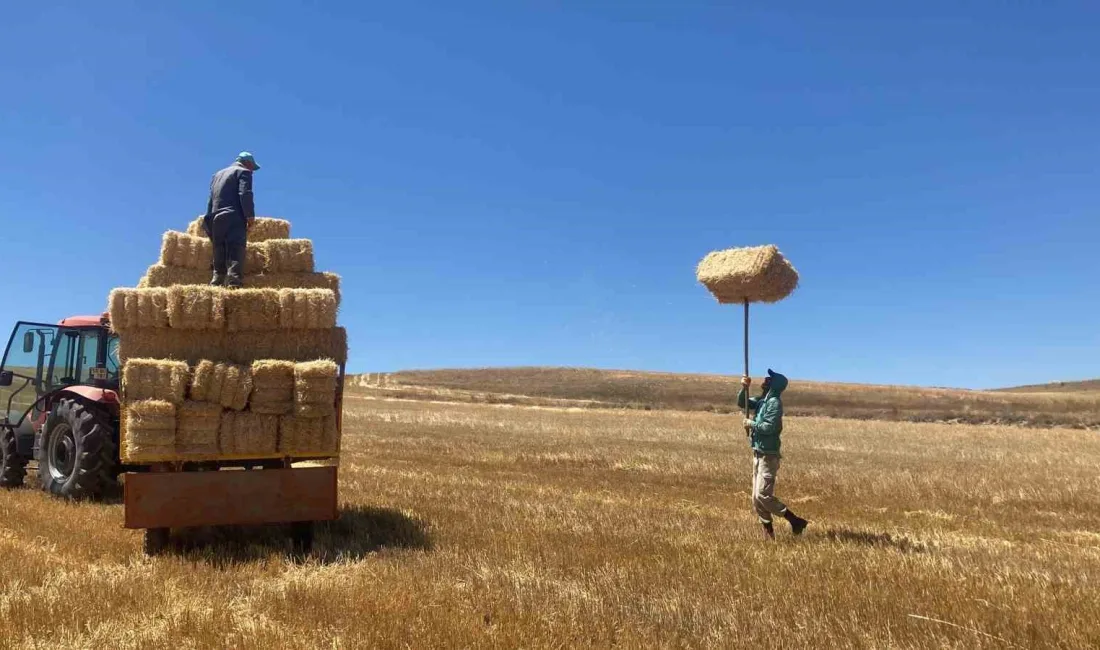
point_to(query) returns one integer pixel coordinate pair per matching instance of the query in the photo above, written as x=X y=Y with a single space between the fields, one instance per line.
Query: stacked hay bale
x=211 y=373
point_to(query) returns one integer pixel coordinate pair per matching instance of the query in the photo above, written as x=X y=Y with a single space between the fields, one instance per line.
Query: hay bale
x=149 y=428
x=159 y=275
x=255 y=258
x=756 y=274
x=272 y=387
x=156 y=379
x=248 y=434
x=315 y=388
x=129 y=309
x=265 y=228
x=193 y=346
x=186 y=251
x=308 y=436
x=197 y=429
x=196 y=307
x=195 y=228
x=226 y=384
x=307 y=309
x=289 y=255
x=252 y=309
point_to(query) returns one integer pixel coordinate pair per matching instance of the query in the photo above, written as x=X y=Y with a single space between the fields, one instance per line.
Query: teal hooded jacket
x=769 y=415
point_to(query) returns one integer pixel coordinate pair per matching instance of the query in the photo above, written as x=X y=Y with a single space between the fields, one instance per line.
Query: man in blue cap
x=230 y=212
x=764 y=430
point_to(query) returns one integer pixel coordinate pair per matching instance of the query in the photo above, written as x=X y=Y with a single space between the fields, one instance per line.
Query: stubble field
x=470 y=525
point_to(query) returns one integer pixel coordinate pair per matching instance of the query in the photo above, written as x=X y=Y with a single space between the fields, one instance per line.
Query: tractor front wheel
x=13 y=467
x=76 y=451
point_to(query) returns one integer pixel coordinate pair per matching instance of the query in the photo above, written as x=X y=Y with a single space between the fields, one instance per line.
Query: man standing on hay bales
x=230 y=212
x=765 y=429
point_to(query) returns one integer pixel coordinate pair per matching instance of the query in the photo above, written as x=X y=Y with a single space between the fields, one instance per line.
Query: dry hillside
x=649 y=390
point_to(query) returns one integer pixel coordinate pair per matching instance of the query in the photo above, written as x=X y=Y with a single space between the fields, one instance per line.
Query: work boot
x=798 y=524
x=769 y=532
x=217 y=281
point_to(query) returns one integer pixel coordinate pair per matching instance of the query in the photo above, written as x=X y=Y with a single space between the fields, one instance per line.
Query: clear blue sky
x=517 y=183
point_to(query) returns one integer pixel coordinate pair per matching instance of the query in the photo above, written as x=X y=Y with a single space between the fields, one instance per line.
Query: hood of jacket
x=778 y=384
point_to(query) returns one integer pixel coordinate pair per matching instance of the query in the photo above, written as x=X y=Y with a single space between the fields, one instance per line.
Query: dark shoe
x=217 y=281
x=769 y=532
x=798 y=524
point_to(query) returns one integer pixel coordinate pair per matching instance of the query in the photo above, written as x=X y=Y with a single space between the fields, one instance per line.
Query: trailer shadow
x=359 y=532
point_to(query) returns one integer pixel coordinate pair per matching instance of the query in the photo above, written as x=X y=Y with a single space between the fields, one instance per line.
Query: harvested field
x=656 y=390
x=496 y=526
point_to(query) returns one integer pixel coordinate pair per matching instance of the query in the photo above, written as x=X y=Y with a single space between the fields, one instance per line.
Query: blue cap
x=245 y=156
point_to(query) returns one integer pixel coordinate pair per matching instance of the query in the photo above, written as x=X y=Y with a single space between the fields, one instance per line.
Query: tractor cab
x=73 y=364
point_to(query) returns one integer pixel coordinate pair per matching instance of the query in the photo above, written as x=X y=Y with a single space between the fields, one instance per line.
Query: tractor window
x=65 y=369
x=112 y=358
x=29 y=354
x=30 y=350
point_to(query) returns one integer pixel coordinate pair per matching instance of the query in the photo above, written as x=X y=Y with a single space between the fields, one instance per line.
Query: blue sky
x=506 y=183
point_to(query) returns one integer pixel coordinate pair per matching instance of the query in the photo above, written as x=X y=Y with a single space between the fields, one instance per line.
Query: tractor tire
x=77 y=454
x=13 y=467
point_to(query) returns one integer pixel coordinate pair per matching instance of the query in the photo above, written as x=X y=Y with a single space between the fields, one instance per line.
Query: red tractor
x=59 y=406
x=59 y=386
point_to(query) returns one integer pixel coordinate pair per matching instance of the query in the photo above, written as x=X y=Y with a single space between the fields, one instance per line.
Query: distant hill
x=590 y=388
x=1088 y=385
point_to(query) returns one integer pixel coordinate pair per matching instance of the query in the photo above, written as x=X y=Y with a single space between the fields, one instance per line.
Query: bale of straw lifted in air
x=752 y=274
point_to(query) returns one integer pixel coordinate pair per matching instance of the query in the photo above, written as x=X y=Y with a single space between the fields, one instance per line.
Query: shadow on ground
x=359 y=532
x=898 y=543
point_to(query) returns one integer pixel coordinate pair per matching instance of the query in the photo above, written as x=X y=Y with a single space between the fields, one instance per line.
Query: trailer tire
x=13 y=467
x=76 y=454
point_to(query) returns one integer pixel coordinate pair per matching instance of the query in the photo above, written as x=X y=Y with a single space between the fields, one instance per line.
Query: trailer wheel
x=156 y=541
x=76 y=454
x=13 y=467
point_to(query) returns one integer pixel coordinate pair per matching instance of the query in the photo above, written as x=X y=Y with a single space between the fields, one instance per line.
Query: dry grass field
x=474 y=525
x=1067 y=404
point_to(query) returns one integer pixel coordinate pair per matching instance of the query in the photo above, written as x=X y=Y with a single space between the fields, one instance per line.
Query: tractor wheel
x=13 y=467
x=77 y=454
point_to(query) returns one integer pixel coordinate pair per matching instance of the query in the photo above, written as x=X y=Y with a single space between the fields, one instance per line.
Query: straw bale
x=307 y=309
x=158 y=379
x=237 y=347
x=265 y=228
x=245 y=433
x=159 y=275
x=195 y=228
x=196 y=307
x=186 y=251
x=150 y=430
x=756 y=274
x=289 y=255
x=197 y=429
x=226 y=384
x=308 y=435
x=252 y=309
x=315 y=388
x=133 y=308
x=191 y=346
x=255 y=258
x=272 y=387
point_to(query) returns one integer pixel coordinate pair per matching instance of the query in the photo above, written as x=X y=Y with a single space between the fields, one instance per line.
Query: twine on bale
x=744 y=275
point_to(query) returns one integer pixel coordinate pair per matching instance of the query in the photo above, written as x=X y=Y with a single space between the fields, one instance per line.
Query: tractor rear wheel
x=77 y=454
x=13 y=467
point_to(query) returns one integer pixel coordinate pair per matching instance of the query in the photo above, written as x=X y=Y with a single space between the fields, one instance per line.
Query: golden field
x=479 y=525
